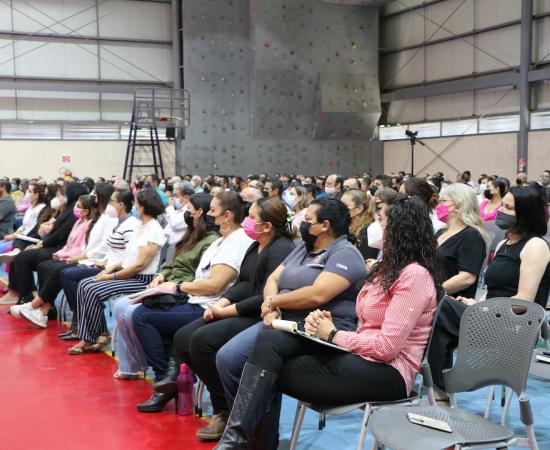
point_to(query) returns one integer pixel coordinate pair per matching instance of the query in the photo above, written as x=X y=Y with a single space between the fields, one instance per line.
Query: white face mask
x=375 y=235
x=330 y=190
x=291 y=201
x=55 y=203
x=162 y=187
x=111 y=211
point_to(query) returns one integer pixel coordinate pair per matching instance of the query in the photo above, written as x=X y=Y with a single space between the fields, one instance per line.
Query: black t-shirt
x=502 y=276
x=463 y=252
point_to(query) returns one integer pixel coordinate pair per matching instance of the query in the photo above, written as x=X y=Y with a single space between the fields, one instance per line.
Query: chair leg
x=198 y=404
x=298 y=420
x=506 y=410
x=113 y=338
x=490 y=396
x=531 y=438
x=364 y=427
x=322 y=421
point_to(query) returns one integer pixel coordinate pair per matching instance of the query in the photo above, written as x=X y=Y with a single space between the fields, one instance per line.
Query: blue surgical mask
x=177 y=203
x=162 y=187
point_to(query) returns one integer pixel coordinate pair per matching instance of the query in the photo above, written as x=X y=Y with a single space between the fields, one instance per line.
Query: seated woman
x=462 y=245
x=21 y=279
x=200 y=234
x=36 y=311
x=197 y=343
x=217 y=271
x=118 y=229
x=37 y=204
x=326 y=269
x=361 y=209
x=520 y=270
x=427 y=193
x=132 y=274
x=494 y=192
x=395 y=306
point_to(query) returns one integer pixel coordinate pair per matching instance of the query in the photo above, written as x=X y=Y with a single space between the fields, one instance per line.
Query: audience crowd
x=359 y=262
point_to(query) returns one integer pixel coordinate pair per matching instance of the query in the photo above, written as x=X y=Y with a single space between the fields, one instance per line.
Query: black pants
x=198 y=343
x=70 y=276
x=445 y=339
x=49 y=279
x=314 y=373
x=21 y=277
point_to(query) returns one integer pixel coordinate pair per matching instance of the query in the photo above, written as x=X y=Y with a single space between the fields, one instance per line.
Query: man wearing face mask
x=153 y=182
x=334 y=186
x=177 y=206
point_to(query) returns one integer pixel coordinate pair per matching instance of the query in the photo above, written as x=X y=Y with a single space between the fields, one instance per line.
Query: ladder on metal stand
x=154 y=109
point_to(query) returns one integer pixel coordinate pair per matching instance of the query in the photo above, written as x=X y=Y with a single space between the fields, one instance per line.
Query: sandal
x=126 y=376
x=84 y=347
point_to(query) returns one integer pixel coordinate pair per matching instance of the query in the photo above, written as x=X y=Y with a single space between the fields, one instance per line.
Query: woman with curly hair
x=383 y=355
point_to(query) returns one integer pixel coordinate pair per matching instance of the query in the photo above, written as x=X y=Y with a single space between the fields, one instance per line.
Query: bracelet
x=331 y=335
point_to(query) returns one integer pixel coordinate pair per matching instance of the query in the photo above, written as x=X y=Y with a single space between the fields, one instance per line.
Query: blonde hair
x=303 y=202
x=465 y=199
x=365 y=217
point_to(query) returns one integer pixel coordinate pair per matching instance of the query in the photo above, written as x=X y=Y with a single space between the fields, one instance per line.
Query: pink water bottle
x=185 y=403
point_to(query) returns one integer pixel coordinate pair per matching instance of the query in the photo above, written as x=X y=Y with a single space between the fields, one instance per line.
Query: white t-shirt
x=175 y=224
x=229 y=251
x=30 y=218
x=149 y=233
x=96 y=248
x=119 y=238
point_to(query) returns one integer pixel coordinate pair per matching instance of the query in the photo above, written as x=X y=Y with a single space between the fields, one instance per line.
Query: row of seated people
x=232 y=275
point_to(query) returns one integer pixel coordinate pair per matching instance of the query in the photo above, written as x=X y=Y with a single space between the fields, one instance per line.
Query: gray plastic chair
x=369 y=407
x=494 y=348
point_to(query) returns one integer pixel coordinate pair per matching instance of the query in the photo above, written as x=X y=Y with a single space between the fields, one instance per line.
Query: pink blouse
x=485 y=215
x=76 y=241
x=395 y=324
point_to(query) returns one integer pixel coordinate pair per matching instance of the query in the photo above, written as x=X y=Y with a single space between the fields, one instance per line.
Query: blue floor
x=341 y=432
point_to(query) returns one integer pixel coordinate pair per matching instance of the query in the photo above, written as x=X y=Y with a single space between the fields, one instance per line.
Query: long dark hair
x=530 y=212
x=103 y=192
x=409 y=238
x=273 y=210
x=89 y=202
x=205 y=226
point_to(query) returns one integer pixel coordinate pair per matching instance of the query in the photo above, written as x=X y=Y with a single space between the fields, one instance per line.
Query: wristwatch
x=331 y=335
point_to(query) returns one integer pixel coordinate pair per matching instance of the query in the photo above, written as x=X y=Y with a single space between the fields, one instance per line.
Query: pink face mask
x=248 y=225
x=77 y=212
x=442 y=211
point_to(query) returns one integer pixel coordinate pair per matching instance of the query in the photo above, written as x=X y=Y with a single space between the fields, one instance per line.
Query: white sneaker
x=35 y=316
x=15 y=310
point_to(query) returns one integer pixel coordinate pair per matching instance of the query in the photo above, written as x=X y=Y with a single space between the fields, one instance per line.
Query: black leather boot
x=256 y=391
x=156 y=402
x=168 y=384
x=267 y=433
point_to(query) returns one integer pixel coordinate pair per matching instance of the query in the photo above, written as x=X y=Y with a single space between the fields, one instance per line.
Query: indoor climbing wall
x=281 y=86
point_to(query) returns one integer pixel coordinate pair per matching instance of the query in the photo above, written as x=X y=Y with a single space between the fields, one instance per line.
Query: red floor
x=50 y=400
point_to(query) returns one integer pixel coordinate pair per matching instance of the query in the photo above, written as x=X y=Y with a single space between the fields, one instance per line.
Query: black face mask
x=211 y=223
x=488 y=194
x=189 y=219
x=505 y=221
x=308 y=238
x=206 y=190
x=518 y=182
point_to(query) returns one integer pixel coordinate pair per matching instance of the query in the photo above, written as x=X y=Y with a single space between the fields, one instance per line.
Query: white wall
x=488 y=153
x=86 y=158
